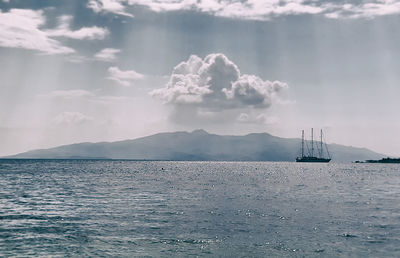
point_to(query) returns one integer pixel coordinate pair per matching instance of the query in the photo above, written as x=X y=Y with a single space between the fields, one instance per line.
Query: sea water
x=229 y=209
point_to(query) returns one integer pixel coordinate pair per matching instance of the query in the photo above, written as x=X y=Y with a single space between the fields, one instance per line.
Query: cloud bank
x=205 y=88
x=257 y=9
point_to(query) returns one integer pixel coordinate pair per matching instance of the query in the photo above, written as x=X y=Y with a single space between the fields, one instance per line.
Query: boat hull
x=312 y=159
x=384 y=160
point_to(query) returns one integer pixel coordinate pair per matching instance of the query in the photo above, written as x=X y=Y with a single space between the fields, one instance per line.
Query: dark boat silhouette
x=310 y=156
x=384 y=160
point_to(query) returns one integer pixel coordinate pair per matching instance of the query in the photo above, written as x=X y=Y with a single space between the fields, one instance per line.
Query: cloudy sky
x=104 y=70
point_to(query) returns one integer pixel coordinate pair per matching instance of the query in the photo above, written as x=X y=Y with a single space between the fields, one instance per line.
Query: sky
x=105 y=70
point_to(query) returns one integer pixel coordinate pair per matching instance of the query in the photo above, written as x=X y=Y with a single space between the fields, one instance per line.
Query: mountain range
x=198 y=145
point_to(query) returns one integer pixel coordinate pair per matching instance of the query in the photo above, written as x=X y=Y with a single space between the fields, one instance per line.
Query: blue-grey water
x=231 y=209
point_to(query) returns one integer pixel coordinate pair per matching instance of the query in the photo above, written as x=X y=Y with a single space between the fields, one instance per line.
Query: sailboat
x=311 y=155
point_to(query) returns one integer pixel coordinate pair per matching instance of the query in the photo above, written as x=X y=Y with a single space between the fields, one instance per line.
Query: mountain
x=197 y=145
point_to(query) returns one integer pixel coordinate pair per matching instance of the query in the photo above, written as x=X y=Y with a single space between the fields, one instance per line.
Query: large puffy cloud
x=213 y=85
x=251 y=90
x=22 y=28
x=257 y=9
x=215 y=82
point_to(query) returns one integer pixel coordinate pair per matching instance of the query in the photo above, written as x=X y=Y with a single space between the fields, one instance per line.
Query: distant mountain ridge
x=198 y=145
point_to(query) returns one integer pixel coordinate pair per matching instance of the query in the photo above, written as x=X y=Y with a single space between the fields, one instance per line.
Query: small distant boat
x=384 y=160
x=311 y=153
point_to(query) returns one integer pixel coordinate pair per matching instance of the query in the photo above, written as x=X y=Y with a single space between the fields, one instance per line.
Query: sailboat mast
x=322 y=150
x=302 y=143
x=312 y=142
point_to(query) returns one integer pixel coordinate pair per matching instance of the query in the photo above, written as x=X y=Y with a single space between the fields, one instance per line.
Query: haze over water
x=125 y=208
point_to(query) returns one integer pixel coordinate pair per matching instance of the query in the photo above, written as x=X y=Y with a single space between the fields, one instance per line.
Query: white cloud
x=264 y=10
x=88 y=33
x=206 y=87
x=368 y=9
x=71 y=118
x=107 y=54
x=112 y=6
x=22 y=28
x=257 y=9
x=248 y=9
x=123 y=78
x=252 y=90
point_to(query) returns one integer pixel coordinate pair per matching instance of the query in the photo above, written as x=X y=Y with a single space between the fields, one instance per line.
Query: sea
x=118 y=208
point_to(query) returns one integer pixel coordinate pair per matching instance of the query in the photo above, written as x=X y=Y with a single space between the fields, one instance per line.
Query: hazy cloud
x=107 y=54
x=257 y=9
x=71 y=118
x=123 y=78
x=257 y=119
x=83 y=95
x=214 y=84
x=67 y=94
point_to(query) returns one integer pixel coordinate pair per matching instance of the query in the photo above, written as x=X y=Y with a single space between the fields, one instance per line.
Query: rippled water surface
x=126 y=208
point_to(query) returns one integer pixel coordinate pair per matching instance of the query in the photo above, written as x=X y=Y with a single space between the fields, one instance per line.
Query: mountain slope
x=197 y=145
